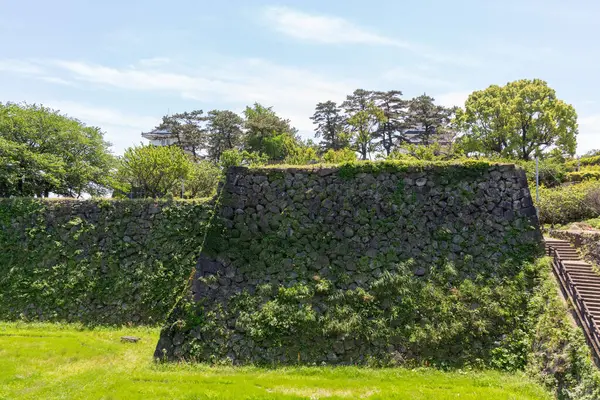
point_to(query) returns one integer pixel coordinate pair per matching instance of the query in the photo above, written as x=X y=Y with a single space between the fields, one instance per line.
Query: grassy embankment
x=51 y=361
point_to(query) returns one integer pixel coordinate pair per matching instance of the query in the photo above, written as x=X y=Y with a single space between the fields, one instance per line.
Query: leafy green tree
x=394 y=110
x=202 y=180
x=237 y=158
x=330 y=123
x=362 y=118
x=339 y=156
x=302 y=153
x=432 y=152
x=268 y=133
x=189 y=129
x=153 y=171
x=364 y=124
x=434 y=120
x=224 y=132
x=522 y=119
x=43 y=152
x=26 y=173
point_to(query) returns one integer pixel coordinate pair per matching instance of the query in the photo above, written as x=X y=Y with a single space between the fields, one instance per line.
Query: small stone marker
x=130 y=339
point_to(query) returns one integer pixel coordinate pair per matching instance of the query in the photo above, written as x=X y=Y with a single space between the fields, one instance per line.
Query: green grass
x=47 y=361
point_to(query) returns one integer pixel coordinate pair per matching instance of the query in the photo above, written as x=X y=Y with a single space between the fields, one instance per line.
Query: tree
x=394 y=110
x=521 y=119
x=43 y=152
x=364 y=124
x=268 y=133
x=153 y=171
x=485 y=121
x=202 y=180
x=236 y=158
x=224 y=132
x=26 y=173
x=188 y=128
x=302 y=153
x=363 y=118
x=330 y=126
x=432 y=119
x=339 y=156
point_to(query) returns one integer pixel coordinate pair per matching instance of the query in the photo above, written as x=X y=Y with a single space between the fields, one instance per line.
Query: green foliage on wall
x=97 y=261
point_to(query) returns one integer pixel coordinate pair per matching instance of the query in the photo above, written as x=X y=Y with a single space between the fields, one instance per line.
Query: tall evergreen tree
x=330 y=126
x=224 y=132
x=267 y=133
x=432 y=119
x=363 y=119
x=394 y=110
x=188 y=128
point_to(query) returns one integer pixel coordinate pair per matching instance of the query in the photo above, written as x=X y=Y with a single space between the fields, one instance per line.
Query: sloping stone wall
x=294 y=266
x=97 y=261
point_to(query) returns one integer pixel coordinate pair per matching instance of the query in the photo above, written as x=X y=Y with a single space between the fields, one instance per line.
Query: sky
x=122 y=65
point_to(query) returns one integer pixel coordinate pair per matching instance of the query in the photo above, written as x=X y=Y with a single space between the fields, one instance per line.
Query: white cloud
x=324 y=29
x=20 y=66
x=154 y=61
x=293 y=92
x=589 y=134
x=230 y=83
x=452 y=99
x=56 y=80
x=418 y=76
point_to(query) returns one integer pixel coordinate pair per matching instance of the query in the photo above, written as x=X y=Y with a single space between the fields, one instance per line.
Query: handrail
x=584 y=315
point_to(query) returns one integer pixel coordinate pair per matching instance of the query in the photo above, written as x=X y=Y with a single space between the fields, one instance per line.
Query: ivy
x=97 y=261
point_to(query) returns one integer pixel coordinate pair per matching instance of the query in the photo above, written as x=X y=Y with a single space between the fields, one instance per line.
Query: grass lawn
x=46 y=361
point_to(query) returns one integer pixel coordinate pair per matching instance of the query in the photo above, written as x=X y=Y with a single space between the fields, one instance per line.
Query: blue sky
x=122 y=65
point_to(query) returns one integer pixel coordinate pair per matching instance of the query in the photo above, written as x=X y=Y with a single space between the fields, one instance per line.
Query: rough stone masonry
x=288 y=243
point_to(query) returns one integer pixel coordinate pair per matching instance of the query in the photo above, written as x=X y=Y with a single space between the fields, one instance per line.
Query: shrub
x=236 y=158
x=202 y=180
x=583 y=175
x=339 y=156
x=594 y=160
x=565 y=204
x=152 y=171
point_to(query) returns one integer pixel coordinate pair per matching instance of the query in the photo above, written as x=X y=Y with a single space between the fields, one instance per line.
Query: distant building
x=160 y=137
x=415 y=136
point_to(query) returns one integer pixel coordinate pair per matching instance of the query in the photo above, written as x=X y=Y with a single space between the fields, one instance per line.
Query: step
x=594 y=308
x=580 y=269
x=588 y=292
x=583 y=275
x=590 y=298
x=579 y=284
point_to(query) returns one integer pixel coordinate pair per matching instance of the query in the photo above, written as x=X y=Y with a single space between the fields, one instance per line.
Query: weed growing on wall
x=97 y=261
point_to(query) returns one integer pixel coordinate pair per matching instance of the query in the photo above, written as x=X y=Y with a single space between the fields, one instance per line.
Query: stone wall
x=363 y=262
x=97 y=261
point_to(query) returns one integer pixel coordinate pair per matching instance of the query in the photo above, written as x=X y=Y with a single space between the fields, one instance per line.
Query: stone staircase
x=581 y=287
